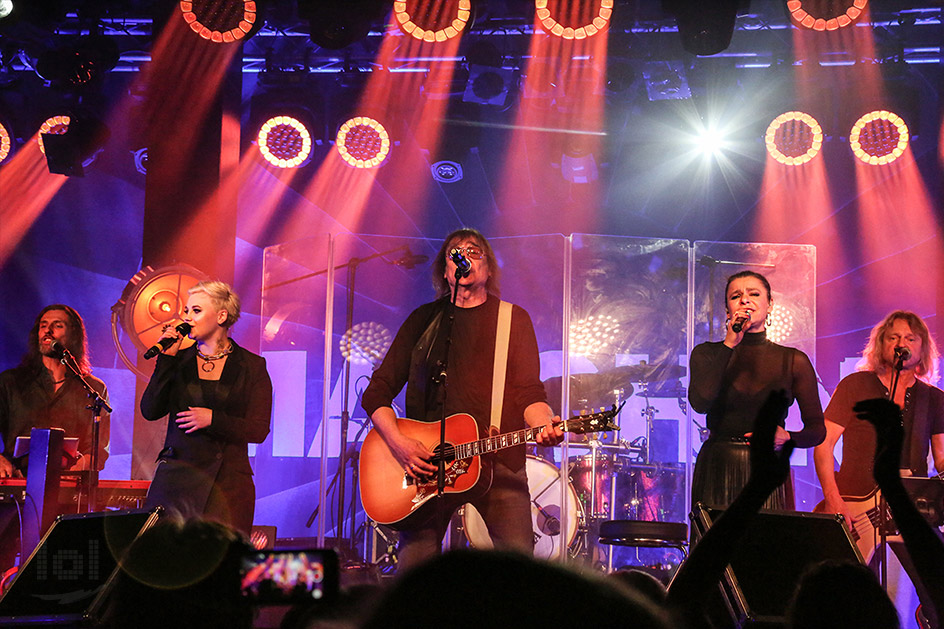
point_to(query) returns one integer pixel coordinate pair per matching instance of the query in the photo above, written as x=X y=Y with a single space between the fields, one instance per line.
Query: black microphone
x=60 y=349
x=183 y=328
x=462 y=263
x=902 y=354
x=738 y=324
x=409 y=260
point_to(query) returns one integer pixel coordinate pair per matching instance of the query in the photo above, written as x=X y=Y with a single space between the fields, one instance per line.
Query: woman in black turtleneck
x=730 y=381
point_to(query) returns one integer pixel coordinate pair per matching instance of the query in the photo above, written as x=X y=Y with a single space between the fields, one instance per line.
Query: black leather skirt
x=721 y=471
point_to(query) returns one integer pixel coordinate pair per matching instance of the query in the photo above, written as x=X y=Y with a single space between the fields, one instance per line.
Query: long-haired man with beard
x=43 y=393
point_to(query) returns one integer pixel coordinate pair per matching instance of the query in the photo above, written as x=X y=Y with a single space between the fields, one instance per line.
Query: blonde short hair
x=223 y=297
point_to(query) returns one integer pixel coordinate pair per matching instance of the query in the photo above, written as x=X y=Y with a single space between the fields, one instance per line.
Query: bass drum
x=544 y=486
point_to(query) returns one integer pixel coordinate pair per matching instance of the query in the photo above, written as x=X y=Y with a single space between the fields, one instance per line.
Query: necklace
x=208 y=361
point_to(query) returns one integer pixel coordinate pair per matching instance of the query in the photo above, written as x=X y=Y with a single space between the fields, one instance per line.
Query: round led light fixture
x=879 y=137
x=284 y=142
x=363 y=142
x=550 y=24
x=800 y=12
x=56 y=125
x=421 y=27
x=222 y=21
x=794 y=138
x=5 y=143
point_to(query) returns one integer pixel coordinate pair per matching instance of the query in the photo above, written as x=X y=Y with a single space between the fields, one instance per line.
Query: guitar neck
x=499 y=442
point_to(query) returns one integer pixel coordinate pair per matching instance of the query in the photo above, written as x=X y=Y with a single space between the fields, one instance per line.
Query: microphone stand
x=442 y=380
x=883 y=510
x=98 y=403
x=351 y=266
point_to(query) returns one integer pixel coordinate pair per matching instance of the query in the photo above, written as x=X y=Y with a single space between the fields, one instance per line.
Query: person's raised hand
x=770 y=465
x=885 y=416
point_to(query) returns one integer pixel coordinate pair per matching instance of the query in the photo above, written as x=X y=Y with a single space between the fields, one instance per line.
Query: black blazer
x=191 y=465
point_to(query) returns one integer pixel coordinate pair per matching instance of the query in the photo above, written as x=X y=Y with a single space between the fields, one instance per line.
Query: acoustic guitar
x=392 y=497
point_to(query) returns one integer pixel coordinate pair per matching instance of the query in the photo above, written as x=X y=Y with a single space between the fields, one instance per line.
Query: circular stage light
x=220 y=22
x=151 y=300
x=363 y=142
x=5 y=143
x=879 y=137
x=284 y=142
x=780 y=324
x=365 y=343
x=592 y=335
x=406 y=17
x=800 y=12
x=552 y=26
x=57 y=125
x=794 y=138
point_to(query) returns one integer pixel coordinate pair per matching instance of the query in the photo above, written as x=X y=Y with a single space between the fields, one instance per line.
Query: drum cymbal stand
x=649 y=413
x=596 y=445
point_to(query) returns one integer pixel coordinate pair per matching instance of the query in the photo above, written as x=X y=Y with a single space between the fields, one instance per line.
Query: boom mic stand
x=351 y=266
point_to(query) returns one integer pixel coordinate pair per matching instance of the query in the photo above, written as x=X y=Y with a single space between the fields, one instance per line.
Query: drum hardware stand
x=389 y=557
x=649 y=413
x=351 y=266
x=595 y=446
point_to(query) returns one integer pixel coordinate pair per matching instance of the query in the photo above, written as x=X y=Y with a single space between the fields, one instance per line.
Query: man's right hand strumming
x=410 y=453
x=835 y=504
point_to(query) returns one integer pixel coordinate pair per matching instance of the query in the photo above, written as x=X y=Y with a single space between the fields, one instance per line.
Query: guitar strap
x=920 y=429
x=502 y=339
x=416 y=391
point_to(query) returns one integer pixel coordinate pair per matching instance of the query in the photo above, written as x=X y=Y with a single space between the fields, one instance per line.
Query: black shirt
x=29 y=399
x=858 y=436
x=730 y=386
x=469 y=372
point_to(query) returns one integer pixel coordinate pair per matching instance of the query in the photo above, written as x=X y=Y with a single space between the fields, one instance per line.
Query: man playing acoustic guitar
x=415 y=359
x=900 y=342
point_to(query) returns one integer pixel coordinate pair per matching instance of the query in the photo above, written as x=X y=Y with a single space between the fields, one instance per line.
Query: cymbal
x=594 y=390
x=589 y=390
x=646 y=372
x=592 y=385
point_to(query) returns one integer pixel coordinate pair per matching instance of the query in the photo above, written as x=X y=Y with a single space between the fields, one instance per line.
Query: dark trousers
x=505 y=507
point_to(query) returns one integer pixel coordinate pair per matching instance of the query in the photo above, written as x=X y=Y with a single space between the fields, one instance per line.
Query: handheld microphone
x=157 y=348
x=462 y=263
x=902 y=354
x=738 y=324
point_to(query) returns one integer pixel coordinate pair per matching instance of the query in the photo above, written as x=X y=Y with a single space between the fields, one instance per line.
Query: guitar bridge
x=427 y=488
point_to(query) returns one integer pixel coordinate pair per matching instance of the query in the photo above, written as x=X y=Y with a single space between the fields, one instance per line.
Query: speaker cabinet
x=66 y=579
x=770 y=559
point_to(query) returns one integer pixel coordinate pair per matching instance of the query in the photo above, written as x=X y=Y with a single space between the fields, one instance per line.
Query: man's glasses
x=472 y=251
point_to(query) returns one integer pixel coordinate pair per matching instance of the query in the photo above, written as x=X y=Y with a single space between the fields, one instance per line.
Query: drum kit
x=610 y=478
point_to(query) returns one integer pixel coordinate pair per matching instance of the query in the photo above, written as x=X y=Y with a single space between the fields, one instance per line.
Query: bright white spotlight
x=6 y=8
x=710 y=141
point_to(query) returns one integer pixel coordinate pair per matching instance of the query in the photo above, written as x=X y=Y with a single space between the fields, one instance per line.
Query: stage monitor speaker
x=768 y=562
x=66 y=579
